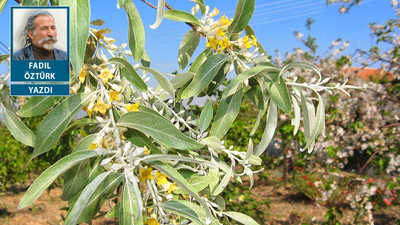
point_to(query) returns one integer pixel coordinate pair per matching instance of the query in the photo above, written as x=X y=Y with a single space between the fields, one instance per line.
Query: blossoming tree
x=146 y=149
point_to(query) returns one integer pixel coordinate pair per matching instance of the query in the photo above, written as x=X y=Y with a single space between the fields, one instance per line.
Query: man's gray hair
x=30 y=25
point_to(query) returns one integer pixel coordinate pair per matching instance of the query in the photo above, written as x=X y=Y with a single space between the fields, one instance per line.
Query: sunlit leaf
x=243 y=13
x=182 y=16
x=226 y=114
x=241 y=218
x=270 y=126
x=3 y=57
x=205 y=74
x=277 y=89
x=128 y=212
x=79 y=31
x=187 y=47
x=129 y=73
x=136 y=34
x=200 y=60
x=206 y=117
x=37 y=105
x=54 y=171
x=181 y=79
x=162 y=80
x=151 y=123
x=160 y=14
x=35 y=3
x=17 y=128
x=54 y=124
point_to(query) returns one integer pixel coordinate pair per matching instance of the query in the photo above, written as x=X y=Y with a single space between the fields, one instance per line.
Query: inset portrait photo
x=39 y=33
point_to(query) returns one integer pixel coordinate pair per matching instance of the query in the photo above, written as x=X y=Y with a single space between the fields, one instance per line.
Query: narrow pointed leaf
x=17 y=128
x=308 y=115
x=198 y=183
x=297 y=115
x=227 y=112
x=160 y=14
x=52 y=127
x=128 y=212
x=3 y=57
x=129 y=73
x=243 y=13
x=79 y=31
x=247 y=74
x=181 y=79
x=151 y=123
x=303 y=65
x=75 y=180
x=99 y=197
x=37 y=105
x=76 y=211
x=318 y=125
x=270 y=126
x=54 y=171
x=200 y=60
x=174 y=175
x=141 y=140
x=206 y=117
x=279 y=93
x=2 y=4
x=162 y=80
x=35 y=2
x=85 y=142
x=136 y=35
x=187 y=47
x=182 y=16
x=221 y=186
x=205 y=74
x=114 y=212
x=185 y=209
x=241 y=218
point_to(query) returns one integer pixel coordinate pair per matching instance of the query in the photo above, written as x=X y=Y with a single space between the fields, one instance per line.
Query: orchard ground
x=285 y=206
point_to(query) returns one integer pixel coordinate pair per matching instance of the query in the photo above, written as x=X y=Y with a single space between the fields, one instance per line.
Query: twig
x=390 y=125
x=149 y=4
x=369 y=160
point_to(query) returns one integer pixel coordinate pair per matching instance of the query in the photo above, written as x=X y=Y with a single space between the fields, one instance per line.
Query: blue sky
x=273 y=21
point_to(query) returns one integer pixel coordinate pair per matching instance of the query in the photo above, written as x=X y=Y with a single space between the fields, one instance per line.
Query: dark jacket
x=27 y=54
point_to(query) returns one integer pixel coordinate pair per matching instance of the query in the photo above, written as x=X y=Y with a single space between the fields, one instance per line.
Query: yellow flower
x=89 y=108
x=214 y=12
x=224 y=43
x=82 y=74
x=151 y=221
x=105 y=75
x=93 y=146
x=147 y=151
x=133 y=107
x=171 y=188
x=99 y=35
x=113 y=95
x=212 y=42
x=146 y=174
x=220 y=32
x=161 y=178
x=101 y=107
x=254 y=40
x=224 y=21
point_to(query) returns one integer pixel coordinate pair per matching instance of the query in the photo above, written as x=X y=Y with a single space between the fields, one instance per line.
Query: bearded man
x=40 y=35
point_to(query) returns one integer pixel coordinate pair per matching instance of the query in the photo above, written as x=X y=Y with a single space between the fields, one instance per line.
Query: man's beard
x=49 y=46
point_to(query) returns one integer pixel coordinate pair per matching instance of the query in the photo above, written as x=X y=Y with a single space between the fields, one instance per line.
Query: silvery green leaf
x=204 y=75
x=243 y=13
x=206 y=117
x=75 y=179
x=255 y=94
x=77 y=124
x=54 y=124
x=160 y=14
x=85 y=142
x=277 y=89
x=297 y=115
x=270 y=126
x=247 y=74
x=198 y=183
x=162 y=80
x=221 y=186
x=114 y=211
x=260 y=115
x=129 y=73
x=241 y=218
x=139 y=139
x=181 y=79
x=182 y=16
x=54 y=171
x=200 y=60
x=35 y=3
x=185 y=209
x=227 y=112
x=174 y=175
x=318 y=125
x=153 y=124
x=187 y=47
x=213 y=142
x=158 y=157
x=308 y=115
x=17 y=128
x=79 y=31
x=250 y=149
x=129 y=211
x=145 y=60
x=37 y=105
x=136 y=34
x=302 y=65
x=76 y=210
